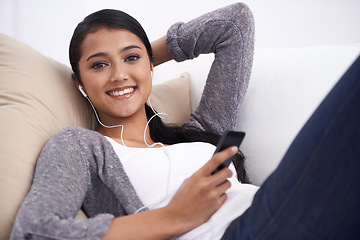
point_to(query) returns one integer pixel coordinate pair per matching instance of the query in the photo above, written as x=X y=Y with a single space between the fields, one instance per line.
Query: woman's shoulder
x=77 y=134
x=75 y=139
x=74 y=131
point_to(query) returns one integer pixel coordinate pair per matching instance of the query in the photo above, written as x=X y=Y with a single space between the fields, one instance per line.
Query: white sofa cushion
x=286 y=87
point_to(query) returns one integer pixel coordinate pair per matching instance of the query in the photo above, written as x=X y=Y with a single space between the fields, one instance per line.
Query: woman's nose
x=118 y=73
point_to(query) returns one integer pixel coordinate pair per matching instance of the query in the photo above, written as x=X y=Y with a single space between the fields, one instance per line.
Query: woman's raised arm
x=228 y=33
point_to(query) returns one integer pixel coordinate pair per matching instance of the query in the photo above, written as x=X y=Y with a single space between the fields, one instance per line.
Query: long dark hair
x=172 y=134
x=159 y=132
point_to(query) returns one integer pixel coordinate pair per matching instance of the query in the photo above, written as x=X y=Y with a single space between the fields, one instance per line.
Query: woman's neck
x=131 y=133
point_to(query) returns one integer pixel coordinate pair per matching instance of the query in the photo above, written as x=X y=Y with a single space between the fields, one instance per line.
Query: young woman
x=136 y=178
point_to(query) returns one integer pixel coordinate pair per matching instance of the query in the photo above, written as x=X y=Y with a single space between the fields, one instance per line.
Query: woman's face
x=116 y=74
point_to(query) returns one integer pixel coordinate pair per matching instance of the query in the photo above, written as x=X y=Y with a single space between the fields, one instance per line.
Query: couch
x=38 y=99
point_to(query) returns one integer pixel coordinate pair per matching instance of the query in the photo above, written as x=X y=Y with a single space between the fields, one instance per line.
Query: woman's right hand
x=202 y=194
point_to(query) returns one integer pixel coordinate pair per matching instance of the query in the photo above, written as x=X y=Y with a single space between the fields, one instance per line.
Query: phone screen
x=228 y=139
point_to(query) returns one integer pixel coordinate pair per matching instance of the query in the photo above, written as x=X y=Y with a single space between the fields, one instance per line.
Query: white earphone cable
x=147 y=124
x=106 y=126
x=166 y=152
x=165 y=116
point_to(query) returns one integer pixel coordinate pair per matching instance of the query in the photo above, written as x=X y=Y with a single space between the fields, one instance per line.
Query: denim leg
x=315 y=191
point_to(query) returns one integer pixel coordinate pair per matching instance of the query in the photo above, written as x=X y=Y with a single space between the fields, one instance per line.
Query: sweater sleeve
x=59 y=187
x=229 y=34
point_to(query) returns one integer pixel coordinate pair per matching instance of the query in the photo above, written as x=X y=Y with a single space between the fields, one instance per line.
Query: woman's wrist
x=177 y=223
x=161 y=223
x=160 y=51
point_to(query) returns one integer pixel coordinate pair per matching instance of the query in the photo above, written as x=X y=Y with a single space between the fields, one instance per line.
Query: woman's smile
x=122 y=93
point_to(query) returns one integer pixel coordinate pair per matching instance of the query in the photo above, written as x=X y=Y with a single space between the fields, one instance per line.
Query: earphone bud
x=82 y=91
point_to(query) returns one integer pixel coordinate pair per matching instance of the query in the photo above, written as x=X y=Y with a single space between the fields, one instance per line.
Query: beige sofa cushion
x=38 y=99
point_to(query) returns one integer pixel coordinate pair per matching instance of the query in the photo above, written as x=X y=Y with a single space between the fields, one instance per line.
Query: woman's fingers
x=217 y=159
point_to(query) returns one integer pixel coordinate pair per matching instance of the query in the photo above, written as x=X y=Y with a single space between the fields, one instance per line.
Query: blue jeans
x=315 y=191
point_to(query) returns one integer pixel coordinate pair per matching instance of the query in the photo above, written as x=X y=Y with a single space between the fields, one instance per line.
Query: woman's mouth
x=118 y=93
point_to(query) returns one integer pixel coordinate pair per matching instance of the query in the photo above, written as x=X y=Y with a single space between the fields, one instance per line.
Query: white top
x=157 y=173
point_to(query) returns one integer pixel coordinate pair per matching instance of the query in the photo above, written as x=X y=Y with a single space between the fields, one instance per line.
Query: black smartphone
x=228 y=139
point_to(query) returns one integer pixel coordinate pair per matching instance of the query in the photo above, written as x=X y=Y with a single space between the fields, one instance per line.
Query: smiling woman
x=159 y=184
x=112 y=61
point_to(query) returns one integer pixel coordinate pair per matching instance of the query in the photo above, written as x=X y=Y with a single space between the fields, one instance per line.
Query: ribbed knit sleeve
x=229 y=34
x=61 y=180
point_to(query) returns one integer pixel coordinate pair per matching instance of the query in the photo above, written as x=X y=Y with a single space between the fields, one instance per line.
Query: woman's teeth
x=123 y=92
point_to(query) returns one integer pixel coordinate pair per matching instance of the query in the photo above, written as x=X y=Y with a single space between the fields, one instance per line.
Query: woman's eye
x=132 y=58
x=98 y=65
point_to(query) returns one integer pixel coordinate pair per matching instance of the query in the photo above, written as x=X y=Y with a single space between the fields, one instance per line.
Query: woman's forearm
x=154 y=224
x=160 y=51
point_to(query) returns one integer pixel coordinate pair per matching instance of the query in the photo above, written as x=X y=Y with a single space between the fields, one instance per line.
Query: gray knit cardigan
x=78 y=168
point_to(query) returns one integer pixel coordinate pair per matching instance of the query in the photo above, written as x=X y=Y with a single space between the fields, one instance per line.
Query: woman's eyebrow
x=101 y=54
x=129 y=47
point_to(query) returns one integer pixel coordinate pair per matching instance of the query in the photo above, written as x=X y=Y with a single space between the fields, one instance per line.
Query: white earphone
x=82 y=91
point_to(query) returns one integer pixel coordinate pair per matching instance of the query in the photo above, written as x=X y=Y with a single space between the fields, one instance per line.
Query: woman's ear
x=76 y=80
x=73 y=76
x=78 y=85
